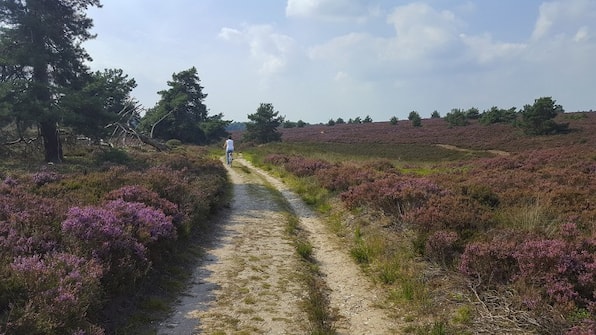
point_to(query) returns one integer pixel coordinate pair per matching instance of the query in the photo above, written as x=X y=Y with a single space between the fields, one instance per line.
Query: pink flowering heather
x=340 y=178
x=99 y=234
x=145 y=223
x=441 y=246
x=10 y=181
x=393 y=194
x=58 y=291
x=136 y=193
x=44 y=177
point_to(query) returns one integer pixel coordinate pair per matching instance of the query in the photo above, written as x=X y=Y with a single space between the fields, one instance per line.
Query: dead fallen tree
x=123 y=129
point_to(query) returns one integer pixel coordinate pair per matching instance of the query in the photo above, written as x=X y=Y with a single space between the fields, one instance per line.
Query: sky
x=317 y=60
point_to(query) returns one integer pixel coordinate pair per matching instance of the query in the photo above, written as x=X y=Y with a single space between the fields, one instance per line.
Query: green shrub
x=115 y=156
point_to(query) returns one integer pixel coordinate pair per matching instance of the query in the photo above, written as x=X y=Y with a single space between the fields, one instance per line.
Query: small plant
x=361 y=253
x=390 y=271
x=115 y=156
x=463 y=315
x=44 y=177
x=304 y=249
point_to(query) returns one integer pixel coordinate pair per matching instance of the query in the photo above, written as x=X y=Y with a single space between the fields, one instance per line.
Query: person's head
x=230 y=137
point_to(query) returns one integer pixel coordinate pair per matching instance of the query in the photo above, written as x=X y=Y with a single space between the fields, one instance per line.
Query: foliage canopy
x=41 y=61
x=263 y=125
x=181 y=113
x=538 y=119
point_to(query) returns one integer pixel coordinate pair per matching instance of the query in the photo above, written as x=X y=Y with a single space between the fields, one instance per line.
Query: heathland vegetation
x=83 y=242
x=482 y=228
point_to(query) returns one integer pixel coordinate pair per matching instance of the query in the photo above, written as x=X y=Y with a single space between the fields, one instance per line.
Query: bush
x=441 y=247
x=58 y=304
x=452 y=212
x=339 y=178
x=457 y=117
x=173 y=143
x=116 y=156
x=118 y=235
x=44 y=177
x=559 y=272
x=489 y=263
x=393 y=195
x=538 y=119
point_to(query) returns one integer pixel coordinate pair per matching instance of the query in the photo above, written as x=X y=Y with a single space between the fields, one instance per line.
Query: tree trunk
x=157 y=145
x=51 y=142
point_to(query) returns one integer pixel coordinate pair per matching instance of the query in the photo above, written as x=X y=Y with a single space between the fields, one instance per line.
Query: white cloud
x=484 y=50
x=269 y=49
x=582 y=34
x=422 y=35
x=561 y=17
x=420 y=30
x=230 y=33
x=358 y=10
x=340 y=49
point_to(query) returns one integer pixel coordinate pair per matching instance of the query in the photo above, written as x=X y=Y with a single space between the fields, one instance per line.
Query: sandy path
x=250 y=280
x=353 y=298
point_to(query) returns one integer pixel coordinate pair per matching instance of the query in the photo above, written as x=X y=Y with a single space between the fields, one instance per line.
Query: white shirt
x=229 y=145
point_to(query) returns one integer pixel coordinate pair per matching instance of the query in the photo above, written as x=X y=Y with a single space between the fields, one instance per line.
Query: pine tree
x=41 y=58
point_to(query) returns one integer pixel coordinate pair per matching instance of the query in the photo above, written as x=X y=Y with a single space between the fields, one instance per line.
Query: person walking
x=229 y=147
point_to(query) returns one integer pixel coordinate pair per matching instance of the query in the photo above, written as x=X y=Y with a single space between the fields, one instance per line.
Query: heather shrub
x=44 y=177
x=489 y=263
x=26 y=229
x=393 y=195
x=564 y=272
x=339 y=178
x=9 y=181
x=136 y=193
x=297 y=165
x=303 y=167
x=276 y=159
x=70 y=240
x=381 y=165
x=441 y=247
x=87 y=188
x=197 y=196
x=586 y=327
x=558 y=272
x=481 y=193
x=98 y=233
x=114 y=156
x=146 y=224
x=451 y=212
x=58 y=292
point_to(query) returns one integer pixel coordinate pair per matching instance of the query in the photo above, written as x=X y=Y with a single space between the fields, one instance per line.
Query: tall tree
x=538 y=119
x=181 y=113
x=263 y=125
x=41 y=57
x=415 y=118
x=98 y=103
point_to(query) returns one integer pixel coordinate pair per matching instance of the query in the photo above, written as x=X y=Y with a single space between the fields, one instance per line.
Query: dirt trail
x=250 y=281
x=453 y=147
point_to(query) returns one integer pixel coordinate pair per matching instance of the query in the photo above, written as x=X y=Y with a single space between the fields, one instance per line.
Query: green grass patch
x=340 y=152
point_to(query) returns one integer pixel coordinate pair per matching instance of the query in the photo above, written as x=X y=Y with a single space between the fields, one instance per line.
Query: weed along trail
x=252 y=280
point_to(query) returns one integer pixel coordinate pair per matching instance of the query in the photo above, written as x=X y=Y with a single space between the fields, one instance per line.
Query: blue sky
x=317 y=60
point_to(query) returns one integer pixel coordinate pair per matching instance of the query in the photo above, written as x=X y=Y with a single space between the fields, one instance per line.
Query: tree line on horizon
x=535 y=119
